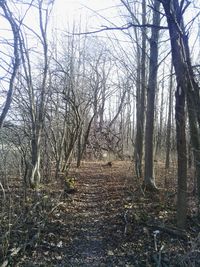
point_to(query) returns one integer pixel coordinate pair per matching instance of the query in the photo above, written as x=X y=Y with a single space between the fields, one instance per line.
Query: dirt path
x=106 y=223
x=96 y=223
x=82 y=229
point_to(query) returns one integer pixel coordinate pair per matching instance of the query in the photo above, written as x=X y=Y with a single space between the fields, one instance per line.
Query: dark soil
x=108 y=221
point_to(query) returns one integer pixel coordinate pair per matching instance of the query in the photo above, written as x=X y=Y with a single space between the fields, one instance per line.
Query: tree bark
x=182 y=158
x=149 y=179
x=141 y=92
x=82 y=145
x=169 y=122
x=187 y=87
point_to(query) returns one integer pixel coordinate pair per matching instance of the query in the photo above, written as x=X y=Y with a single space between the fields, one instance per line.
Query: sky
x=64 y=14
x=85 y=12
x=66 y=11
x=91 y=14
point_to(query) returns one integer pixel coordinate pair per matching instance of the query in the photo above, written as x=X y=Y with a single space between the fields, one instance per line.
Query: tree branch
x=122 y=28
x=16 y=59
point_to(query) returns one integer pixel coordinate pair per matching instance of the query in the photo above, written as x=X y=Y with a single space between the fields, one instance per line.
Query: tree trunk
x=182 y=158
x=159 y=138
x=169 y=123
x=141 y=90
x=193 y=105
x=178 y=59
x=82 y=145
x=39 y=117
x=35 y=171
x=186 y=86
x=149 y=179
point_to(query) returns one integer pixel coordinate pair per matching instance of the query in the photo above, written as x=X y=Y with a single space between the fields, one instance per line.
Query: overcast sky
x=68 y=11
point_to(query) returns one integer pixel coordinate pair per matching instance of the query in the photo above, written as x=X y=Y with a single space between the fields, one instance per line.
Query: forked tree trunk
x=178 y=59
x=187 y=87
x=38 y=116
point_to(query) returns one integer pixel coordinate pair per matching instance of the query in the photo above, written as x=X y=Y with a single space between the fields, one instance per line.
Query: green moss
x=70 y=182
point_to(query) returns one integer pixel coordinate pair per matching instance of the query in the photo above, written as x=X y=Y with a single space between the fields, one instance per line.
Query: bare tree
x=140 y=82
x=37 y=102
x=187 y=88
x=149 y=178
x=15 y=26
x=141 y=95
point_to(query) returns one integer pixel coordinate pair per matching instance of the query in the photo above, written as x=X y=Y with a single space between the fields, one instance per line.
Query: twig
x=3 y=190
x=155 y=233
x=126 y=222
x=160 y=256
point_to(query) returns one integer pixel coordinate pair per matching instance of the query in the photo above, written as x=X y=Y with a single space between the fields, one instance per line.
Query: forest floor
x=108 y=221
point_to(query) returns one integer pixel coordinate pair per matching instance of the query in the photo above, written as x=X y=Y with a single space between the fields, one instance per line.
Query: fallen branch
x=172 y=231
